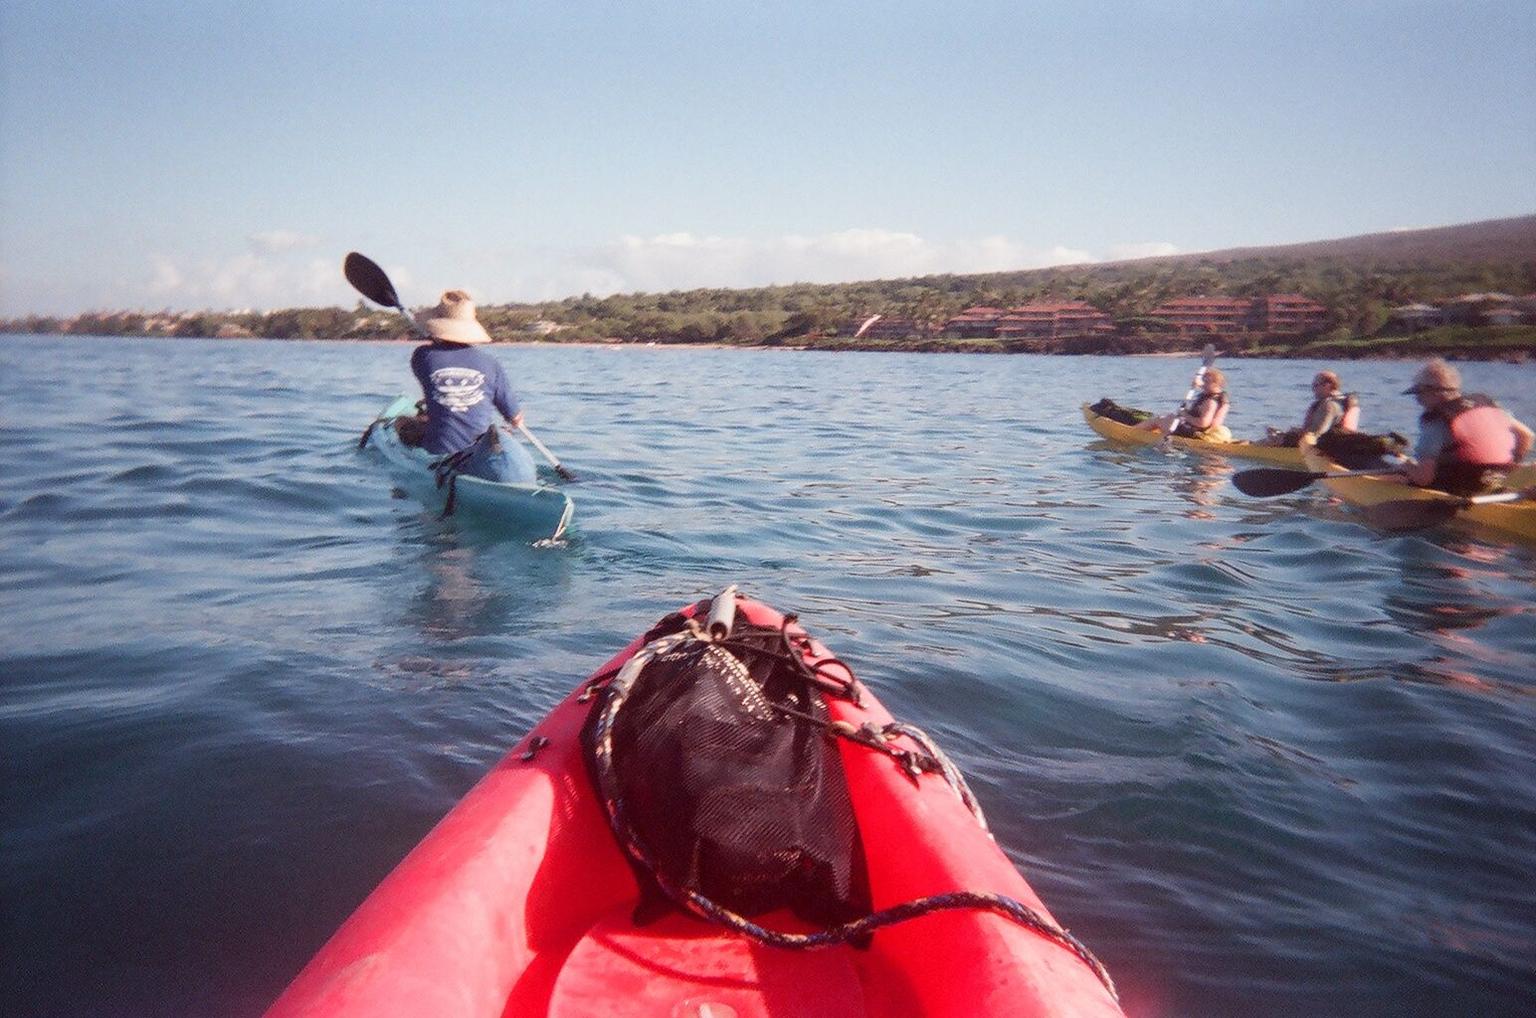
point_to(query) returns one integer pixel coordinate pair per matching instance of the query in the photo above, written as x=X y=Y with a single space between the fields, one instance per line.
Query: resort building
x=884 y=327
x=974 y=323
x=1053 y=320
x=1035 y=320
x=1413 y=317
x=1289 y=313
x=1205 y=315
x=1484 y=309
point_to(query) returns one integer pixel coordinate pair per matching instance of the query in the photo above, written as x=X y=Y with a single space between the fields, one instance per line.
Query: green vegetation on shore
x=1359 y=280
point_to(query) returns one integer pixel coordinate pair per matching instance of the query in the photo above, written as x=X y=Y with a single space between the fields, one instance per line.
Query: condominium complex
x=1212 y=316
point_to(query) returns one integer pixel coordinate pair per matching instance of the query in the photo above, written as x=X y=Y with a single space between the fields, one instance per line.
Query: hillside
x=1491 y=239
x=1358 y=279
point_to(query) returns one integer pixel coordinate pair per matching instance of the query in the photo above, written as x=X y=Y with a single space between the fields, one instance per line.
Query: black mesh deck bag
x=1359 y=451
x=726 y=795
x=1107 y=407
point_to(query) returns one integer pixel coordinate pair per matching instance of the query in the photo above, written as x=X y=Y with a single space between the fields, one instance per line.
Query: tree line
x=1358 y=292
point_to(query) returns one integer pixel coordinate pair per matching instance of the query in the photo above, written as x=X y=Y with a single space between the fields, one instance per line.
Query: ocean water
x=1261 y=759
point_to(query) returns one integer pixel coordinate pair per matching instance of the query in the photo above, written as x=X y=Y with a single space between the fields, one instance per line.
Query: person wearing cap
x=1467 y=443
x=1329 y=411
x=464 y=388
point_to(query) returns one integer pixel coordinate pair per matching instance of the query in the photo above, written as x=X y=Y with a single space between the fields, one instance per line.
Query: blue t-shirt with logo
x=465 y=387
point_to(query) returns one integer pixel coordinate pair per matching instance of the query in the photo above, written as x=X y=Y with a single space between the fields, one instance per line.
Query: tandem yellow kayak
x=1510 y=519
x=1113 y=430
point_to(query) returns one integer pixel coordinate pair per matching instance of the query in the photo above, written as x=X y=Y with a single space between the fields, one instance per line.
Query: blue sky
x=225 y=155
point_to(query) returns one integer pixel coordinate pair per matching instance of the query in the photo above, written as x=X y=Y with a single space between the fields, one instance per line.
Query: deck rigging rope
x=791 y=650
x=446 y=471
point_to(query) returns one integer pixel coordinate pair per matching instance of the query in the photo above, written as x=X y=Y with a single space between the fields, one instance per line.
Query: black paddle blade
x=369 y=280
x=1411 y=513
x=1265 y=482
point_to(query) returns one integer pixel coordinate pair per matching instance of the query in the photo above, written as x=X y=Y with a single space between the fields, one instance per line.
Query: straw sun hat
x=453 y=320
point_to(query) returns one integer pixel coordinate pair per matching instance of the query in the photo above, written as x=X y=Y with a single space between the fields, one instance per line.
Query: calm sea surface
x=1262 y=759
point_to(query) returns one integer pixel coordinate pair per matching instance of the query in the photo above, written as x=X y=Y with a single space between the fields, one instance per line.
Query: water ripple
x=1263 y=760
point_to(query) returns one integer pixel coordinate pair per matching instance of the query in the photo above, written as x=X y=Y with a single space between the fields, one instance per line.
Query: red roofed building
x=1205 y=315
x=883 y=327
x=1053 y=320
x=1276 y=313
x=975 y=323
x=1289 y=312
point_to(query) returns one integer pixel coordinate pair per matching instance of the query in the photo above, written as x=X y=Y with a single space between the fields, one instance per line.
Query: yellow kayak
x=1113 y=430
x=1510 y=519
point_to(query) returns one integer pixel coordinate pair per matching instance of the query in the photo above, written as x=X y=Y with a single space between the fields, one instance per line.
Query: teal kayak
x=533 y=509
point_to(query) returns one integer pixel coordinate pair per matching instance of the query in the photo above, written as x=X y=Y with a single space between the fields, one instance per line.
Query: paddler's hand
x=517 y=419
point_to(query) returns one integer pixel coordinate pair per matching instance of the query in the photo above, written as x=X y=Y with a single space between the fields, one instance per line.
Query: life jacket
x=1197 y=408
x=1479 y=428
x=1350 y=419
x=1318 y=404
x=1348 y=405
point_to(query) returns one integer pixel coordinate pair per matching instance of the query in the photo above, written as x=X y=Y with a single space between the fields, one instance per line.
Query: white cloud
x=165 y=277
x=279 y=241
x=1147 y=249
x=278 y=269
x=283 y=273
x=681 y=261
x=245 y=281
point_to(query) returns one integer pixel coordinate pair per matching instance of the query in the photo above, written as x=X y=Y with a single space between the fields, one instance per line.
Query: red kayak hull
x=518 y=904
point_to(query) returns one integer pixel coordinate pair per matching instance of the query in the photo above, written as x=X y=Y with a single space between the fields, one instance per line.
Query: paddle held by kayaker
x=464 y=389
x=1467 y=443
x=1204 y=418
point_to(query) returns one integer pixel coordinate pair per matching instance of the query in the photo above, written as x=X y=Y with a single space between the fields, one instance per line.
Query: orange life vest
x=1480 y=433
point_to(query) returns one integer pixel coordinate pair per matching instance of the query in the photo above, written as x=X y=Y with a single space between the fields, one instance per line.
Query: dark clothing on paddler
x=1185 y=428
x=464 y=388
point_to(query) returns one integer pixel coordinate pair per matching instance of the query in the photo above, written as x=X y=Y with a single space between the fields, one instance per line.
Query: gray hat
x=1436 y=374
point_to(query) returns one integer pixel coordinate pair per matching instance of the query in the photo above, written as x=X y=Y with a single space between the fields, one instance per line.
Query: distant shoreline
x=1513 y=344
x=1465 y=291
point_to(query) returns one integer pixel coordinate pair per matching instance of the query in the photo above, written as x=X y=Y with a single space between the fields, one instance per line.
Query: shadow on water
x=1452 y=595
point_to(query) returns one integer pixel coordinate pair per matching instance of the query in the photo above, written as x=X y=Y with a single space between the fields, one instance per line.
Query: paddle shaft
x=1265 y=482
x=559 y=468
x=1496 y=497
x=1324 y=475
x=1207 y=358
x=410 y=320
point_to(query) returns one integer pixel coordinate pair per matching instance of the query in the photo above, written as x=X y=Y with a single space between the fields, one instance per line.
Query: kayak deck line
x=522 y=902
x=926 y=758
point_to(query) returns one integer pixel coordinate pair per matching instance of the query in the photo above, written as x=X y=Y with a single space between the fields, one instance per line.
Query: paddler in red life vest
x=1467 y=444
x=1204 y=418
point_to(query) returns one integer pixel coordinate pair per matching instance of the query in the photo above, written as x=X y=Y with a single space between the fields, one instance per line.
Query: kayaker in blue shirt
x=465 y=388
